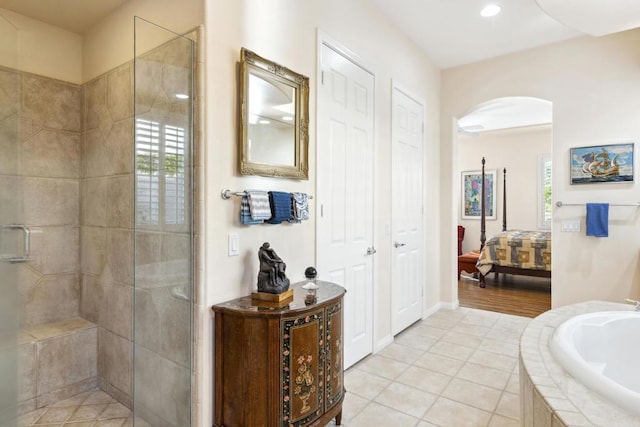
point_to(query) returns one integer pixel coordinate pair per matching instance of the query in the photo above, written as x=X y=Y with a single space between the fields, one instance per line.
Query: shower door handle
x=26 y=244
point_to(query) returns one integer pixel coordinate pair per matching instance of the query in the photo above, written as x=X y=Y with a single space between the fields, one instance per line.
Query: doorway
x=514 y=135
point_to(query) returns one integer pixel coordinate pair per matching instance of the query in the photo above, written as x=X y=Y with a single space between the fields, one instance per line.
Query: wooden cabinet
x=280 y=366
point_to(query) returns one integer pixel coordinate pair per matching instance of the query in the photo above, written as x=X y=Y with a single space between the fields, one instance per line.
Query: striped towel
x=245 y=213
x=300 y=204
x=259 y=205
x=280 y=207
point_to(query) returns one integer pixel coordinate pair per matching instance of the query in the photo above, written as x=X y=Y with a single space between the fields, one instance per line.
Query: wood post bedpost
x=483 y=229
x=504 y=200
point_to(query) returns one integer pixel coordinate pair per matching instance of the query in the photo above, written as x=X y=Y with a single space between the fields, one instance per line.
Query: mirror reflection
x=274 y=119
x=271 y=121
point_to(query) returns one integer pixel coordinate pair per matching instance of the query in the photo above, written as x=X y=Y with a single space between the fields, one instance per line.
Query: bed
x=521 y=252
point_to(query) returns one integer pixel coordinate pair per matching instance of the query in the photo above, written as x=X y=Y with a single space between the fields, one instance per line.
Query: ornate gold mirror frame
x=274 y=119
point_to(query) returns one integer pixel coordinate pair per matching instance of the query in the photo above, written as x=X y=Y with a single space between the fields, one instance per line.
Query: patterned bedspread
x=517 y=248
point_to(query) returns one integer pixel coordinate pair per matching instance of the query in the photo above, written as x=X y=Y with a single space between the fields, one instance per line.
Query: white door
x=345 y=193
x=407 y=211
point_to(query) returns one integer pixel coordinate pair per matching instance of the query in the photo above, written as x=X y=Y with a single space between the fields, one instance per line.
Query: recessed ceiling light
x=264 y=122
x=490 y=10
x=287 y=118
x=182 y=96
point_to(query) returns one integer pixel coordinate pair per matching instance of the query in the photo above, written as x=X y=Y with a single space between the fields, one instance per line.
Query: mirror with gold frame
x=274 y=119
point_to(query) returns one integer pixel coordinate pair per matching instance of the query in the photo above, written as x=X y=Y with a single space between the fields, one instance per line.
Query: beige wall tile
x=175 y=325
x=147 y=321
x=120 y=311
x=27 y=373
x=91 y=297
x=9 y=145
x=94 y=154
x=9 y=92
x=119 y=148
x=94 y=249
x=115 y=357
x=120 y=92
x=66 y=360
x=48 y=202
x=52 y=154
x=54 y=104
x=120 y=201
x=53 y=298
x=95 y=103
x=120 y=255
x=55 y=250
x=94 y=202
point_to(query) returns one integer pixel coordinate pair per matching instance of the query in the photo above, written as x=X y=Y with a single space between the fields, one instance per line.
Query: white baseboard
x=429 y=311
x=450 y=305
x=383 y=343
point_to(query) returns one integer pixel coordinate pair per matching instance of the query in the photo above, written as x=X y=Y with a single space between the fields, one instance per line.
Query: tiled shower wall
x=77 y=165
x=50 y=159
x=106 y=224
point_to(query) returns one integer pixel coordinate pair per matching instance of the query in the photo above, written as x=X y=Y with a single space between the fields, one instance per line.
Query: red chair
x=466 y=262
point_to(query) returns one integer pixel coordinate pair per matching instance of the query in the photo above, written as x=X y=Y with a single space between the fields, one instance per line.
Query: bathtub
x=602 y=351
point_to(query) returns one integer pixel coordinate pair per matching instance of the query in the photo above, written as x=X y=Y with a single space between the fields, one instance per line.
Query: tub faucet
x=630 y=301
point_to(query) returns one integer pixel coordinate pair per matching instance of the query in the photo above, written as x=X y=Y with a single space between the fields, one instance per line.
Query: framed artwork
x=471 y=193
x=602 y=163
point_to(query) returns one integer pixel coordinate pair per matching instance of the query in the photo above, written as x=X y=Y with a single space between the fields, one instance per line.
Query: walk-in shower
x=96 y=236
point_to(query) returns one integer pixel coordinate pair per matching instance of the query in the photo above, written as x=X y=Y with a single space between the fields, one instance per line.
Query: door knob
x=397 y=245
x=371 y=251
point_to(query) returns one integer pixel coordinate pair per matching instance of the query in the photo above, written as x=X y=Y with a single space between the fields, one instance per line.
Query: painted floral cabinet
x=280 y=366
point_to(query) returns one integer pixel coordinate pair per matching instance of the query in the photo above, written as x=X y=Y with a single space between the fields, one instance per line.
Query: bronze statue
x=271 y=278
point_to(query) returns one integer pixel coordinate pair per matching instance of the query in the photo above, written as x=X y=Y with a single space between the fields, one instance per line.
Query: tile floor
x=90 y=409
x=456 y=368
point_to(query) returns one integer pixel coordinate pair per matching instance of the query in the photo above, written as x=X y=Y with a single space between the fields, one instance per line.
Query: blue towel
x=280 y=206
x=598 y=219
x=245 y=213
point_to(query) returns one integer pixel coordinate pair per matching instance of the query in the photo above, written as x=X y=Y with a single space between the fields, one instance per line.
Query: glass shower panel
x=163 y=314
x=12 y=250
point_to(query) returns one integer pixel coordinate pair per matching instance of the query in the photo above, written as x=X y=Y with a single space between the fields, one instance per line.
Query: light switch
x=571 y=225
x=234 y=244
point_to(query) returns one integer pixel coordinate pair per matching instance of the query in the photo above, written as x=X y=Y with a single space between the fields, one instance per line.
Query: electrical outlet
x=572 y=226
x=234 y=244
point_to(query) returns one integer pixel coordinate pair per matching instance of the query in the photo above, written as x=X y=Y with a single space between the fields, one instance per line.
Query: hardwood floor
x=519 y=295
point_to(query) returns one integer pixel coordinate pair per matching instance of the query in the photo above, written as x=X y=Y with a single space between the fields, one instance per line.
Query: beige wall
x=518 y=151
x=594 y=84
x=285 y=31
x=33 y=46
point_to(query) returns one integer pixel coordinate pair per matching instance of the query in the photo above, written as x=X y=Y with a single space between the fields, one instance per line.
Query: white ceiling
x=507 y=113
x=72 y=15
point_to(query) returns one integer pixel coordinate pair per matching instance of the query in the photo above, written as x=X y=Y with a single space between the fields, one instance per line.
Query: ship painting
x=603 y=163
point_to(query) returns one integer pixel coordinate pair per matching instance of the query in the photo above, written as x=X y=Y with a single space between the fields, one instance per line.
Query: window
x=544 y=191
x=160 y=173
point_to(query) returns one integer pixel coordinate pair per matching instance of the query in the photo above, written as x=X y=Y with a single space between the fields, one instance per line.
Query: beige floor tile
x=472 y=394
x=460 y=338
x=425 y=424
x=114 y=410
x=364 y=384
x=509 y=405
x=484 y=375
x=31 y=417
x=504 y=334
x=377 y=415
x=507 y=348
x=352 y=406
x=492 y=360
x=454 y=351
x=91 y=423
x=73 y=401
x=88 y=412
x=500 y=421
x=439 y=363
x=475 y=330
x=513 y=385
x=56 y=415
x=445 y=412
x=440 y=322
x=114 y=422
x=97 y=397
x=382 y=366
x=406 y=399
x=428 y=331
x=401 y=353
x=424 y=379
x=413 y=340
